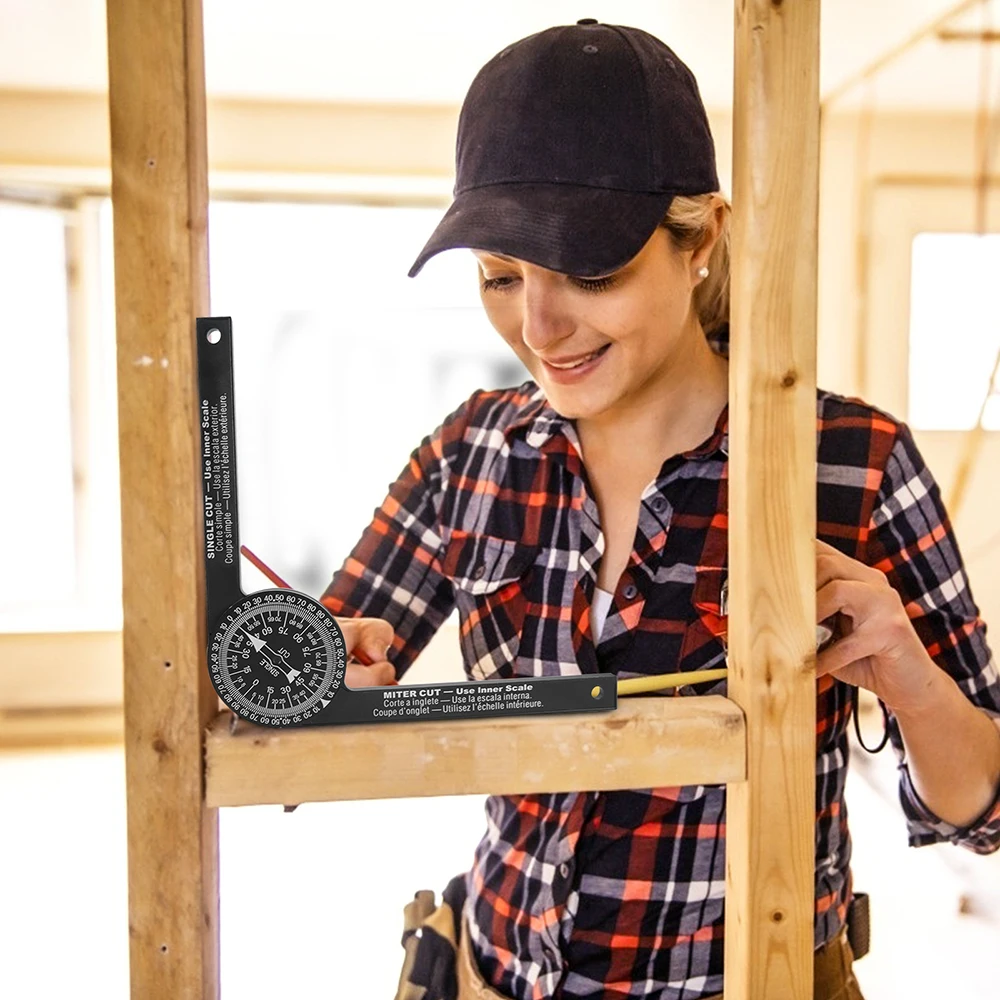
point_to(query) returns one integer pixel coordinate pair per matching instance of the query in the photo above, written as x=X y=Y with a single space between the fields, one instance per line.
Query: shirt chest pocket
x=704 y=646
x=489 y=575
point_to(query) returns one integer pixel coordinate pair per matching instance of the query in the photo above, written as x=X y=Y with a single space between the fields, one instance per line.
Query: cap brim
x=584 y=231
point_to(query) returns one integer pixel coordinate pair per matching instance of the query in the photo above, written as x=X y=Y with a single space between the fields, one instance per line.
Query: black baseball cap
x=572 y=143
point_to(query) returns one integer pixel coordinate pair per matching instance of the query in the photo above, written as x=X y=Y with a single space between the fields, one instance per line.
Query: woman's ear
x=703 y=253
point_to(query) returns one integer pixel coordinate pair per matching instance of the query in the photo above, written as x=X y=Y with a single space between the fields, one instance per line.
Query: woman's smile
x=574 y=370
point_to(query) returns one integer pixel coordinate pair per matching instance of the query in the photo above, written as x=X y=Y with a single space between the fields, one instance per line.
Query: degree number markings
x=277 y=657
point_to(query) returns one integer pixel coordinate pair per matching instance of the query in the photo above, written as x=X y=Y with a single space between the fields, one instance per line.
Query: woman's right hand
x=372 y=637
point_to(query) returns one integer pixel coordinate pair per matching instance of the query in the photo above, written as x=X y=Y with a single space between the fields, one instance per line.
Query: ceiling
x=406 y=52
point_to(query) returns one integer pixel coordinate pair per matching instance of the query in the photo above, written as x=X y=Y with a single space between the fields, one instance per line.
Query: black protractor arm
x=217 y=421
x=278 y=657
x=490 y=699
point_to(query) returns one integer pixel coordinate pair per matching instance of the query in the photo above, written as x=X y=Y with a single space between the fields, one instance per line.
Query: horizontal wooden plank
x=644 y=743
x=59 y=670
x=61 y=128
x=49 y=728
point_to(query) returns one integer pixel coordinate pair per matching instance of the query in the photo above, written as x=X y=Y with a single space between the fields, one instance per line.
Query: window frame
x=81 y=649
x=902 y=207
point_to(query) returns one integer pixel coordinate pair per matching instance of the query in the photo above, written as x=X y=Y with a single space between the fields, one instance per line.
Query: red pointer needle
x=264 y=568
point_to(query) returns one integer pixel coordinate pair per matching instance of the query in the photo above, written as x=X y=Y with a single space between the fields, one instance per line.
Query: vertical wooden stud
x=160 y=197
x=770 y=817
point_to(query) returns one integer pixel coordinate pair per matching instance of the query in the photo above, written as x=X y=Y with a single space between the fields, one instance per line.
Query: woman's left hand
x=879 y=650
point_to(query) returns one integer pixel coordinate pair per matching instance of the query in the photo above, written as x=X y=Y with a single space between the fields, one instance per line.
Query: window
x=37 y=535
x=329 y=333
x=930 y=332
x=954 y=330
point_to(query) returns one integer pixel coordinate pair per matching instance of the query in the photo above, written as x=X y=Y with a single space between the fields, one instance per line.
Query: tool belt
x=438 y=964
x=431 y=936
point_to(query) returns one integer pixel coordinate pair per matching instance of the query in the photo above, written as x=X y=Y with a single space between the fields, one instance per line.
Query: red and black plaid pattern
x=620 y=894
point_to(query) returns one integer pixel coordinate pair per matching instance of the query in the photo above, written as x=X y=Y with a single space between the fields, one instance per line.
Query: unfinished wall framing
x=182 y=761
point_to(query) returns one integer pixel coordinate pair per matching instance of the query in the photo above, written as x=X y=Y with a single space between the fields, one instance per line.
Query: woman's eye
x=502 y=284
x=505 y=283
x=595 y=284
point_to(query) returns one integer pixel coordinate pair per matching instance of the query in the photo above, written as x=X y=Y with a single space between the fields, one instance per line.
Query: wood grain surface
x=645 y=742
x=160 y=199
x=772 y=499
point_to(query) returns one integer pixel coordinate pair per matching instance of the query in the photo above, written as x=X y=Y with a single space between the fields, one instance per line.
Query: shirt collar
x=537 y=421
x=717 y=442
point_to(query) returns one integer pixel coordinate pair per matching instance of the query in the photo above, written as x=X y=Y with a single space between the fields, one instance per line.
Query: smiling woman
x=623 y=340
x=604 y=267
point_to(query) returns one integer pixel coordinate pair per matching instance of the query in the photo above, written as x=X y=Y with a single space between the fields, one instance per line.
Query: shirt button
x=659 y=504
x=629 y=591
x=479 y=572
x=564 y=870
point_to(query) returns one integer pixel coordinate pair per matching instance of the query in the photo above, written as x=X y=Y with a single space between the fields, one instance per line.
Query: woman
x=578 y=523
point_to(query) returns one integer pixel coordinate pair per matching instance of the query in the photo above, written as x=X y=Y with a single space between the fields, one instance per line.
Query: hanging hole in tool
x=213 y=336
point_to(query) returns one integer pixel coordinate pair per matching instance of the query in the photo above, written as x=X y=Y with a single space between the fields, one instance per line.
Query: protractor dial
x=277 y=658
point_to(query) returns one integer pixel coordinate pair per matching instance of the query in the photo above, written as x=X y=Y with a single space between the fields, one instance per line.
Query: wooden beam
x=930 y=180
x=321 y=139
x=49 y=728
x=968 y=36
x=877 y=65
x=770 y=818
x=862 y=237
x=646 y=742
x=58 y=670
x=160 y=197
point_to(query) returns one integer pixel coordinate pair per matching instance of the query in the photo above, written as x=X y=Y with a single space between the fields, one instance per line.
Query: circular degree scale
x=277 y=658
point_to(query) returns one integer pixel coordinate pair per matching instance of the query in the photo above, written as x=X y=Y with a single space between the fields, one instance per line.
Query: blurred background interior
x=331 y=132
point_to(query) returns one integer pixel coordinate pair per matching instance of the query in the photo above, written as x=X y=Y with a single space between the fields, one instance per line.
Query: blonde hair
x=688 y=221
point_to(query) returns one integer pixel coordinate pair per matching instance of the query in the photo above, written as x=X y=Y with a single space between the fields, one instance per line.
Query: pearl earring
x=702 y=272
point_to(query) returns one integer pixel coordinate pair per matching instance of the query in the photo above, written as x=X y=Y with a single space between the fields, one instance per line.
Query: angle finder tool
x=277 y=657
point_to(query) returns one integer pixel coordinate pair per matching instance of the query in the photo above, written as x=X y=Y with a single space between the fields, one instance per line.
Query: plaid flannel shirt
x=620 y=894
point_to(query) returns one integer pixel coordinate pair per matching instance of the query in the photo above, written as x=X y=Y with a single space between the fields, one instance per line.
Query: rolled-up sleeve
x=394 y=570
x=910 y=539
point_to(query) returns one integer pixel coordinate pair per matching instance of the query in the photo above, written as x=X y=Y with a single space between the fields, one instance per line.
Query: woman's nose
x=546 y=318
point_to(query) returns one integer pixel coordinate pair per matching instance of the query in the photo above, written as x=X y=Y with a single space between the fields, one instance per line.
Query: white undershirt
x=599 y=611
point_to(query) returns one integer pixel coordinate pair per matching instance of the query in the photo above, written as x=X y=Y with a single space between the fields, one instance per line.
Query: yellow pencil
x=639 y=685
